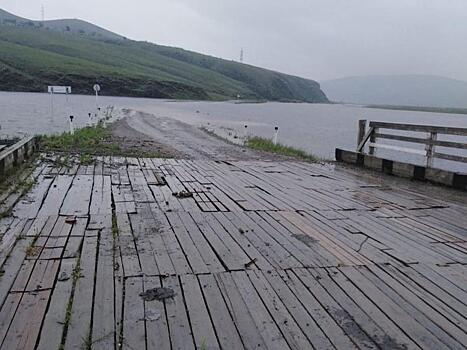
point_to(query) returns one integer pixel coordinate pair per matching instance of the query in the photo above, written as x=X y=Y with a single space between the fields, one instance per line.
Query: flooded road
x=315 y=128
x=189 y=141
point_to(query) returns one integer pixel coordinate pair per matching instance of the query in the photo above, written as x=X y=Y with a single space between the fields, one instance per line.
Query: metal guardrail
x=431 y=142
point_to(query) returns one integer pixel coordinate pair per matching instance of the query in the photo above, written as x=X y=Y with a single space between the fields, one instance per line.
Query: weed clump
x=264 y=144
x=87 y=141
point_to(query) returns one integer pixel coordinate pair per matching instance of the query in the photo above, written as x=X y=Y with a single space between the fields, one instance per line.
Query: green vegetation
x=34 y=56
x=263 y=144
x=422 y=109
x=86 y=141
x=17 y=180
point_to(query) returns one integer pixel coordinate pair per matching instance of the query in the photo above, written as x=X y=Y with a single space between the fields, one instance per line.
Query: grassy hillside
x=61 y=25
x=33 y=56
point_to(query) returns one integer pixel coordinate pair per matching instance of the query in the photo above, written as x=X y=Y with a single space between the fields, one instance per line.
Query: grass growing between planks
x=14 y=184
x=263 y=144
x=90 y=141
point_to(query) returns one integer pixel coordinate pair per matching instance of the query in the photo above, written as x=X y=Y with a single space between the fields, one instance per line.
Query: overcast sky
x=315 y=39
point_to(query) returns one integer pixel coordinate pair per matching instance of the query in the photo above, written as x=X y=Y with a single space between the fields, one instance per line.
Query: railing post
x=430 y=149
x=361 y=130
x=372 y=140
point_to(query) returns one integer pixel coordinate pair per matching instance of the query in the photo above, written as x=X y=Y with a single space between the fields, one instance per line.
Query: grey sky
x=315 y=39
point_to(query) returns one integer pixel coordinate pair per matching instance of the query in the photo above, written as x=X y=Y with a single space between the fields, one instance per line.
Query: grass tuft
x=264 y=144
x=88 y=140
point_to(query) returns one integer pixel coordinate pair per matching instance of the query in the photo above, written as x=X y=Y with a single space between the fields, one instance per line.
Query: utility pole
x=241 y=55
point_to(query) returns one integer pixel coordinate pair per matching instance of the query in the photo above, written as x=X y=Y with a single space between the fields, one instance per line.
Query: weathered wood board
x=181 y=254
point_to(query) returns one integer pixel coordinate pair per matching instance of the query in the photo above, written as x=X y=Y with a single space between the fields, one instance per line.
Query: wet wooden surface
x=260 y=255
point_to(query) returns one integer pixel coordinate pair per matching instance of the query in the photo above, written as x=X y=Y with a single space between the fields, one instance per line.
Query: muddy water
x=316 y=128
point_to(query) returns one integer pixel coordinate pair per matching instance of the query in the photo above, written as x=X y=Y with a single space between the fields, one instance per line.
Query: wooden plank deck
x=258 y=255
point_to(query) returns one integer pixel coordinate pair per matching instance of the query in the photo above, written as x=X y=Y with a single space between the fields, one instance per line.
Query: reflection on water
x=316 y=128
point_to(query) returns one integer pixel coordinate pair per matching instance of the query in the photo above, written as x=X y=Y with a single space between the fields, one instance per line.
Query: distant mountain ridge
x=34 y=54
x=401 y=90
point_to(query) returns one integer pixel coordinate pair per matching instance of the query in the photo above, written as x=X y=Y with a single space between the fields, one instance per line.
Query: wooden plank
x=78 y=197
x=200 y=321
x=157 y=331
x=134 y=334
x=144 y=233
x=328 y=324
x=393 y=309
x=79 y=328
x=55 y=318
x=289 y=328
x=25 y=327
x=433 y=287
x=7 y=313
x=126 y=244
x=377 y=324
x=202 y=244
x=441 y=306
x=30 y=204
x=319 y=255
x=11 y=267
x=425 y=141
x=250 y=250
x=189 y=248
x=43 y=275
x=224 y=325
x=179 y=325
x=101 y=201
x=277 y=243
x=227 y=250
x=55 y=196
x=9 y=239
x=103 y=325
x=299 y=312
x=343 y=253
x=171 y=244
x=119 y=287
x=420 y=128
x=339 y=314
x=451 y=157
x=437 y=324
x=260 y=241
x=250 y=335
x=440 y=280
x=265 y=324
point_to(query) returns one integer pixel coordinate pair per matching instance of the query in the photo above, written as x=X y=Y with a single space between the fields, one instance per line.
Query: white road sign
x=59 y=89
x=97 y=87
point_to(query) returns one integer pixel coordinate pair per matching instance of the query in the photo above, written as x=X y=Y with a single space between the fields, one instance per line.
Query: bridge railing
x=419 y=134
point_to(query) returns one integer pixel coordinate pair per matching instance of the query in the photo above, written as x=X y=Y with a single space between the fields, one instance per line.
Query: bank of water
x=315 y=128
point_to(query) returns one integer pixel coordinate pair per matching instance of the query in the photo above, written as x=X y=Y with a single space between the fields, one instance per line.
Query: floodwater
x=316 y=128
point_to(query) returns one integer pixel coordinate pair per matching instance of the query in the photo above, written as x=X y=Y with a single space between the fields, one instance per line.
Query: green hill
x=35 y=54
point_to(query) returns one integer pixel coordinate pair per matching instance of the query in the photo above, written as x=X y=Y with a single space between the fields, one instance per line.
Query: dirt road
x=180 y=140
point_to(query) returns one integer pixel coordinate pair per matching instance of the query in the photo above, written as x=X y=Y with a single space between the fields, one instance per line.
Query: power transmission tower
x=42 y=13
x=241 y=56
